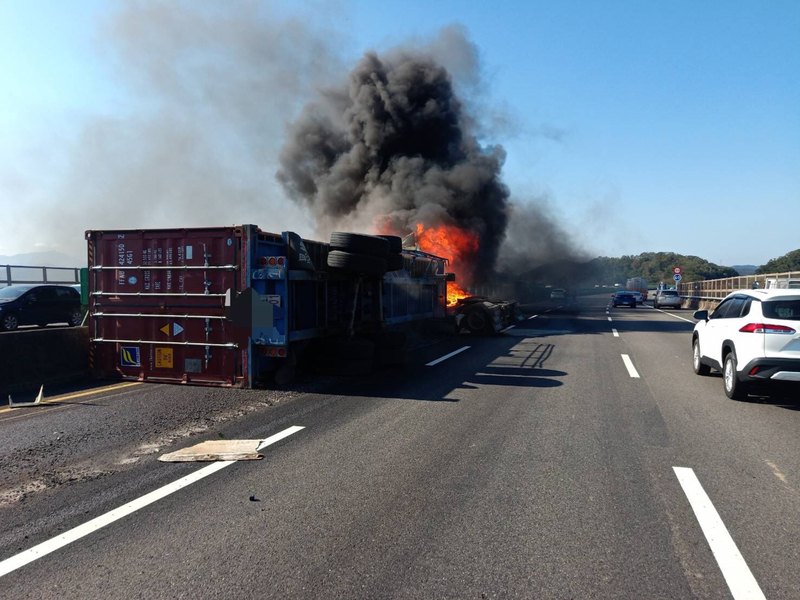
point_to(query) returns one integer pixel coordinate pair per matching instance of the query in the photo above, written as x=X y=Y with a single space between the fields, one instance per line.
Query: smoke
x=395 y=147
x=204 y=90
x=536 y=237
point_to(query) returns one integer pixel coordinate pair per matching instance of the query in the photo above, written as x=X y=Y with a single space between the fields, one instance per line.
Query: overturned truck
x=233 y=306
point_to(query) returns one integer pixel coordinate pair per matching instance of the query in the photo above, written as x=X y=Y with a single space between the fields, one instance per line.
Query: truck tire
x=478 y=321
x=395 y=243
x=359 y=243
x=394 y=262
x=357 y=263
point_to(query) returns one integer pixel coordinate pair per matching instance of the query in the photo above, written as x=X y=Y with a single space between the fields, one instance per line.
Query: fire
x=454 y=293
x=452 y=243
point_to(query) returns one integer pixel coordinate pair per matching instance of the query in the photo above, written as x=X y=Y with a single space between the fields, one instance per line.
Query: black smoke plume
x=396 y=147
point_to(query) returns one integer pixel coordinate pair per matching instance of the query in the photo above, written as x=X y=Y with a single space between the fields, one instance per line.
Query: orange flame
x=452 y=243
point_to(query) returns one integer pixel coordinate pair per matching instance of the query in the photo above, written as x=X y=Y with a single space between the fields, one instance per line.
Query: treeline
x=782 y=264
x=656 y=267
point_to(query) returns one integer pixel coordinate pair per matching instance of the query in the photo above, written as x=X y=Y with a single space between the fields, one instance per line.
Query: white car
x=751 y=337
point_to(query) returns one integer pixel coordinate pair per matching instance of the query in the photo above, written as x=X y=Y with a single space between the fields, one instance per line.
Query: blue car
x=39 y=305
x=624 y=299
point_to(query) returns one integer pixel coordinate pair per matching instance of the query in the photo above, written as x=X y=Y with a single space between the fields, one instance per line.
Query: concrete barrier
x=34 y=357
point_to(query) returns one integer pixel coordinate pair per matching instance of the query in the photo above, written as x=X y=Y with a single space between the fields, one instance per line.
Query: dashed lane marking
x=610 y=320
x=734 y=569
x=446 y=356
x=629 y=365
x=51 y=545
x=507 y=328
x=532 y=317
x=615 y=332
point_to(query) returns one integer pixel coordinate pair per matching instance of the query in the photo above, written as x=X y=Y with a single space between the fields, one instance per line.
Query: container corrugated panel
x=157 y=304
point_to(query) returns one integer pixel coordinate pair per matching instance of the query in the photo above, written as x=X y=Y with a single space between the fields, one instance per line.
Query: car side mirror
x=701 y=315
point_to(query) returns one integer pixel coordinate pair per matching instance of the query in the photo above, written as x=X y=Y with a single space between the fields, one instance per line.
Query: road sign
x=677 y=270
x=677 y=277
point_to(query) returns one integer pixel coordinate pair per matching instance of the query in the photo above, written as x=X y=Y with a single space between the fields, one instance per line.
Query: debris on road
x=214 y=450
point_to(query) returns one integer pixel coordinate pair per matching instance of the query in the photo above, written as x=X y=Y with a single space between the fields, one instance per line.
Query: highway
x=575 y=455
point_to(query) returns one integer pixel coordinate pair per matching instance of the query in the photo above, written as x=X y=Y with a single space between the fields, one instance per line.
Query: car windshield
x=13 y=292
x=782 y=309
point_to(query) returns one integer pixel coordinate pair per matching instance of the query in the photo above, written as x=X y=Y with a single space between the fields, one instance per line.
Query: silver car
x=667 y=298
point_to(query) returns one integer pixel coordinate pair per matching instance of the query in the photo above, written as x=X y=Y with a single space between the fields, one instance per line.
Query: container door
x=157 y=302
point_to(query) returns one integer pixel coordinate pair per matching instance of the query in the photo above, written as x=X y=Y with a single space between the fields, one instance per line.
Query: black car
x=624 y=299
x=39 y=305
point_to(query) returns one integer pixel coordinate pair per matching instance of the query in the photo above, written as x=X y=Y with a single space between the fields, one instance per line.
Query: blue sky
x=680 y=120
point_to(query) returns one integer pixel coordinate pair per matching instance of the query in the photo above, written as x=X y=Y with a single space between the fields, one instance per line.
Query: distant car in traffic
x=39 y=305
x=638 y=296
x=667 y=298
x=558 y=294
x=752 y=338
x=624 y=299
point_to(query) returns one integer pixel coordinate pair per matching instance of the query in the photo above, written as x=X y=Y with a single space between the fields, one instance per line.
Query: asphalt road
x=533 y=464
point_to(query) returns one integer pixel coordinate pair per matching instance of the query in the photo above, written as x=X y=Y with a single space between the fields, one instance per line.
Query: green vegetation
x=655 y=267
x=782 y=264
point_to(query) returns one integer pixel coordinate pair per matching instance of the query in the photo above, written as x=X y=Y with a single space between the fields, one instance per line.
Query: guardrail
x=716 y=289
x=8 y=273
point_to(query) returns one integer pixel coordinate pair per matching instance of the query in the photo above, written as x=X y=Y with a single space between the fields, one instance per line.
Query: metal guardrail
x=7 y=272
x=717 y=289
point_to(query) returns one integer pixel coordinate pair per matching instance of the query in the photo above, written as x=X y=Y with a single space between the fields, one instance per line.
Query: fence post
x=8 y=274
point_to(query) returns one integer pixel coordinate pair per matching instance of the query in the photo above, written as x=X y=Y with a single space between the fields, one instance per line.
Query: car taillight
x=766 y=328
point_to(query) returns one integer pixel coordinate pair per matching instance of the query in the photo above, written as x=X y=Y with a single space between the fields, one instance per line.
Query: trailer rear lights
x=281 y=261
x=273 y=351
x=281 y=352
x=272 y=261
x=263 y=260
x=767 y=328
x=263 y=351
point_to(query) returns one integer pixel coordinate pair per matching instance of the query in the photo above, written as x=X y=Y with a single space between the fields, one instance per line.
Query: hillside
x=656 y=267
x=783 y=264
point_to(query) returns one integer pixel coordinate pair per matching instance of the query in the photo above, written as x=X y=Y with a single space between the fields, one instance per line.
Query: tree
x=782 y=264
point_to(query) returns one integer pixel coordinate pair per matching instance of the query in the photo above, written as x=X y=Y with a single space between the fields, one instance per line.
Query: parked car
x=667 y=298
x=638 y=296
x=624 y=299
x=558 y=294
x=752 y=338
x=39 y=305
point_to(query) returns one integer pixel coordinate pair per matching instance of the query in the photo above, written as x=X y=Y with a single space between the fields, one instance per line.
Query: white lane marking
x=671 y=315
x=279 y=436
x=507 y=328
x=533 y=317
x=610 y=319
x=51 y=545
x=629 y=365
x=734 y=569
x=615 y=332
x=446 y=356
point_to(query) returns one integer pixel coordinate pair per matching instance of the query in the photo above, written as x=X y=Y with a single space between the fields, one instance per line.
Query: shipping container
x=227 y=305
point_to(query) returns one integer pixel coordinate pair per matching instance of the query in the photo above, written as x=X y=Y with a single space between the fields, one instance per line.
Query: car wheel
x=75 y=318
x=734 y=389
x=699 y=367
x=9 y=322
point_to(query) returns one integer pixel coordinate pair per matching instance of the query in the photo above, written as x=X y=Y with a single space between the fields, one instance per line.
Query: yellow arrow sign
x=165 y=329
